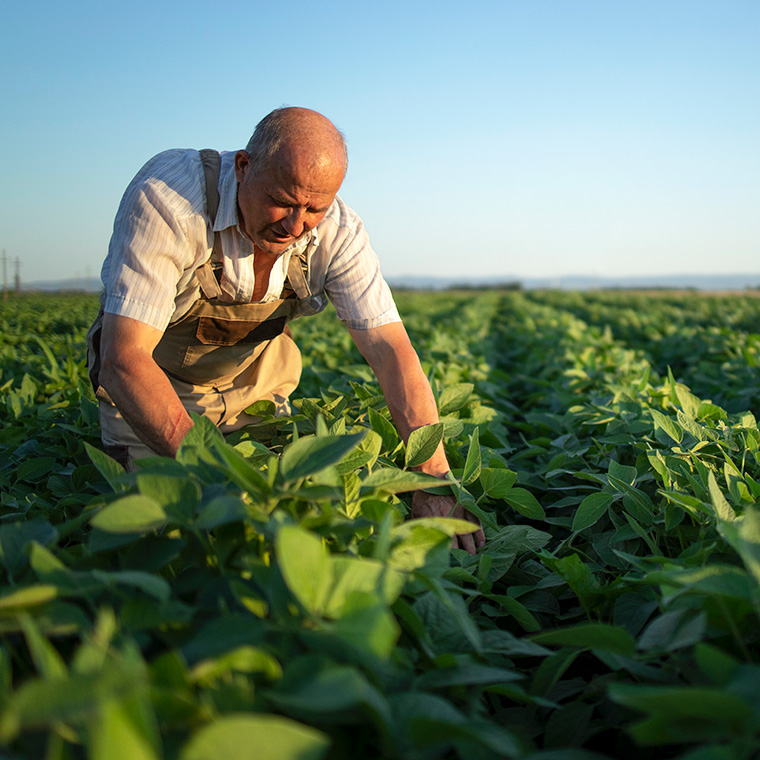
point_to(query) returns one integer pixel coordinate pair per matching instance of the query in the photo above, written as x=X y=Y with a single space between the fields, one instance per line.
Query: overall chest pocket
x=218 y=331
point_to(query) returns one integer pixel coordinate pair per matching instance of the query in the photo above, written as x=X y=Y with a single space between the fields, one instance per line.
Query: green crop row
x=264 y=596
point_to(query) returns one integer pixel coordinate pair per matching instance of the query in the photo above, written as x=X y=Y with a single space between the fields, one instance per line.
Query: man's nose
x=295 y=222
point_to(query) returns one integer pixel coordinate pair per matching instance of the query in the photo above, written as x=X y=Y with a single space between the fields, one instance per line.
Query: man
x=209 y=259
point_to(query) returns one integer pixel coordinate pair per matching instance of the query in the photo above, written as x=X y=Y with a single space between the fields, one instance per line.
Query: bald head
x=297 y=136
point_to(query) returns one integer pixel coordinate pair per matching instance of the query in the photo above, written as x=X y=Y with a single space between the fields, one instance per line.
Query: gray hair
x=270 y=134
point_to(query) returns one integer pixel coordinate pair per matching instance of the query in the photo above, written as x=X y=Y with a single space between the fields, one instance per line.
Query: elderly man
x=210 y=257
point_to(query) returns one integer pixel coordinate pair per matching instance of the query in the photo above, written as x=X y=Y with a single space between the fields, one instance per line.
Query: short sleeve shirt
x=162 y=234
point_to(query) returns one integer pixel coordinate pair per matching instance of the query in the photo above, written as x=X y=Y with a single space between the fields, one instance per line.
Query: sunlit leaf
x=256 y=737
x=422 y=444
x=308 y=456
x=130 y=514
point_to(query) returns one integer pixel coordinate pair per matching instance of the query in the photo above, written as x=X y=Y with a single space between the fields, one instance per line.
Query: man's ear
x=242 y=164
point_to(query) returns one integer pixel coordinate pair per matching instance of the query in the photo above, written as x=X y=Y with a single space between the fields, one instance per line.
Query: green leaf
x=578 y=575
x=454 y=397
x=590 y=511
x=716 y=664
x=179 y=497
x=153 y=585
x=415 y=539
x=201 y=441
x=223 y=634
x=355 y=460
x=391 y=480
x=310 y=455
x=496 y=482
x=622 y=472
x=16 y=536
x=35 y=468
x=48 y=662
x=525 y=503
x=667 y=425
x=689 y=503
x=305 y=566
x=40 y=704
x=684 y=714
x=243 y=659
x=323 y=583
x=360 y=574
x=130 y=514
x=473 y=463
x=256 y=737
x=334 y=693
x=23 y=599
x=116 y=734
x=262 y=408
x=688 y=401
x=722 y=508
x=518 y=611
x=221 y=511
x=109 y=468
x=433 y=724
x=710 y=411
x=466 y=675
x=241 y=471
x=53 y=369
x=385 y=430
x=368 y=624
x=422 y=444
x=601 y=636
x=551 y=670
x=744 y=536
x=673 y=630
x=718 y=580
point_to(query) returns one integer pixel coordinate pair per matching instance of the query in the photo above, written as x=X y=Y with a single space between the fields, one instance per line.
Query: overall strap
x=212 y=166
x=297 y=276
x=212 y=163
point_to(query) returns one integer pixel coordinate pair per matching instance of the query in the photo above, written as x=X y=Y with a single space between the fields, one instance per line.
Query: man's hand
x=430 y=505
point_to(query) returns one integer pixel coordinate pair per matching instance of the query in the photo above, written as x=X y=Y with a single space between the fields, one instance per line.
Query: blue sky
x=505 y=139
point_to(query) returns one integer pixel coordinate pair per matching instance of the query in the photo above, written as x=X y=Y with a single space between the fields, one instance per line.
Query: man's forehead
x=297 y=182
x=298 y=194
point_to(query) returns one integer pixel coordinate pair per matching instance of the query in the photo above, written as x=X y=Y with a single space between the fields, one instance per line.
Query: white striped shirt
x=162 y=235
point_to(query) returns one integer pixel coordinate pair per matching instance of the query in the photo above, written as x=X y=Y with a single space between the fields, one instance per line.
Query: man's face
x=284 y=201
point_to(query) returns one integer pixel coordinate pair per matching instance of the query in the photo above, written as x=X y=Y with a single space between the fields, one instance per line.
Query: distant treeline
x=499 y=286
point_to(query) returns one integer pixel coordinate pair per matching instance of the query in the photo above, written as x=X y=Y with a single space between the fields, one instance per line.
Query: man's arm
x=390 y=354
x=138 y=386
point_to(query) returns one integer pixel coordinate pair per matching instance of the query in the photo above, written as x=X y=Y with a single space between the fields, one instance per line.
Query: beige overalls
x=219 y=356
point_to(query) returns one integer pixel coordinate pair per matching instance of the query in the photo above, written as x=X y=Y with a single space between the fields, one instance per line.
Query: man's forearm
x=149 y=404
x=404 y=385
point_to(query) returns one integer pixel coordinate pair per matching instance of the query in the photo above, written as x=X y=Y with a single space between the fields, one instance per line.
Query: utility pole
x=18 y=275
x=5 y=275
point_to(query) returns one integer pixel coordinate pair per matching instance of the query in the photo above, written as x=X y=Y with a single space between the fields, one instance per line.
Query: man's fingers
x=467 y=543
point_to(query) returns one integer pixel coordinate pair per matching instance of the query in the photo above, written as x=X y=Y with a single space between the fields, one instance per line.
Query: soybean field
x=264 y=596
